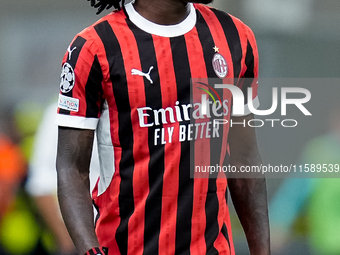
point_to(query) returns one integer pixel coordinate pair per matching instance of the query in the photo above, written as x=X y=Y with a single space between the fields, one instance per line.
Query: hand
x=104 y=4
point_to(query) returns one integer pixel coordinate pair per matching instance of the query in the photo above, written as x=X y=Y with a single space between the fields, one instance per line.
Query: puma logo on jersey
x=70 y=52
x=140 y=73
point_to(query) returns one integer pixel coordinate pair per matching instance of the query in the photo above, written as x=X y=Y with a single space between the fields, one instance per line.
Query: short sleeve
x=80 y=97
x=250 y=70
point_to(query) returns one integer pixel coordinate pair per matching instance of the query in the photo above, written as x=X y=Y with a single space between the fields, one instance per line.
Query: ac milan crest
x=220 y=65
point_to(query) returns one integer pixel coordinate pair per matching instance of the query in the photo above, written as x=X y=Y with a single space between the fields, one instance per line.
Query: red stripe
x=81 y=71
x=220 y=244
x=172 y=151
x=137 y=99
x=109 y=219
x=198 y=70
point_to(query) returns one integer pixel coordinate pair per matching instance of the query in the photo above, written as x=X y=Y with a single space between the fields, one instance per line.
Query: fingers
x=100 y=9
x=92 y=2
x=104 y=4
x=98 y=4
x=109 y=6
x=116 y=5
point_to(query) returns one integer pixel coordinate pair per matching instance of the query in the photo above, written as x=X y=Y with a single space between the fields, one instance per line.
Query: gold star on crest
x=216 y=49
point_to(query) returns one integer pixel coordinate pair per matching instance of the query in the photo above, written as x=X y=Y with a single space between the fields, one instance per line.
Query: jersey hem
x=76 y=122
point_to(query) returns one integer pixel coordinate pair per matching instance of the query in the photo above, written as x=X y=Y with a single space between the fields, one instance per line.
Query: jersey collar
x=163 y=30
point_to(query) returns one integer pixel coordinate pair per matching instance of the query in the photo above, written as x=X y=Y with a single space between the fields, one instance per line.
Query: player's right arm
x=79 y=108
x=73 y=161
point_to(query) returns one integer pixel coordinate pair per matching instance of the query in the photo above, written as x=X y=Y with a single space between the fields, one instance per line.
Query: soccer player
x=128 y=76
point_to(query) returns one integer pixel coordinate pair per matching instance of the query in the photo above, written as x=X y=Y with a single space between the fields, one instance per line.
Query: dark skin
x=75 y=147
x=73 y=162
x=165 y=12
x=249 y=195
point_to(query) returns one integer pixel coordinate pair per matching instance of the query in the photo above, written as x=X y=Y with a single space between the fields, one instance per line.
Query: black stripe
x=94 y=90
x=226 y=162
x=211 y=210
x=211 y=213
x=98 y=212
x=212 y=204
x=97 y=250
x=207 y=43
x=186 y=184
x=224 y=232
x=249 y=62
x=233 y=39
x=91 y=252
x=105 y=250
x=153 y=96
x=126 y=165
x=78 y=43
x=249 y=74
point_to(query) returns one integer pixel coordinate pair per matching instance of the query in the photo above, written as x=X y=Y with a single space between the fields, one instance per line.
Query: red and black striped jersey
x=131 y=80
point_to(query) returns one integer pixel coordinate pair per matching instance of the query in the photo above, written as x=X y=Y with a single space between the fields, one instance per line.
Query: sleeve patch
x=67 y=78
x=68 y=103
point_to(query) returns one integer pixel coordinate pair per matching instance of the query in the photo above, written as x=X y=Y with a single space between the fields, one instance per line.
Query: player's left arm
x=249 y=195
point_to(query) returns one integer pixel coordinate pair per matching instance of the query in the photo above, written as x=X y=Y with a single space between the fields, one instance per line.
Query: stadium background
x=296 y=39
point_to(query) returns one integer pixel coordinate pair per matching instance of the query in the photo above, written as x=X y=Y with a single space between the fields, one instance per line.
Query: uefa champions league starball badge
x=67 y=78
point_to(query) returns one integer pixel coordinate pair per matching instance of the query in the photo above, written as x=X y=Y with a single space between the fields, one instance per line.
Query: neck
x=162 y=12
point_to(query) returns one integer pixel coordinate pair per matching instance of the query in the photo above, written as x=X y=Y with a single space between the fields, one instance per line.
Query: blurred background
x=296 y=39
